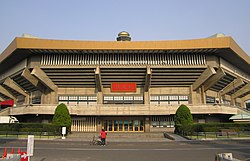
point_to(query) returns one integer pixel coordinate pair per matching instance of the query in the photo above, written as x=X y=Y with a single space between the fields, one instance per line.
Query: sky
x=145 y=20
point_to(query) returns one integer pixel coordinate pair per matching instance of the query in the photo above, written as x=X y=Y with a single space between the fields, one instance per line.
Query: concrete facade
x=211 y=76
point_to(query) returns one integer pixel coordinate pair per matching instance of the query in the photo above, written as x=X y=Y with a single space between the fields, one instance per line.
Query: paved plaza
x=65 y=150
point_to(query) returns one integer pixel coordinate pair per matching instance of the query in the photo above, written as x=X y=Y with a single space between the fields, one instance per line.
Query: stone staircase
x=120 y=137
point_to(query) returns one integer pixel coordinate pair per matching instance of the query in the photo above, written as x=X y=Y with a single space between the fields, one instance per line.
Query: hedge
x=216 y=127
x=30 y=127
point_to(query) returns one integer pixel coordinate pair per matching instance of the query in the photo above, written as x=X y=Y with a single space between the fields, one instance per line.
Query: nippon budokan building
x=124 y=85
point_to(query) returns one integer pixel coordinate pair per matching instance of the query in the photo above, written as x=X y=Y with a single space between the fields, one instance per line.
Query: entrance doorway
x=123 y=125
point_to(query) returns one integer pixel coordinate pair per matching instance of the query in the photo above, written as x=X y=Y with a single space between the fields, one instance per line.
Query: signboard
x=7 y=103
x=63 y=130
x=30 y=145
x=123 y=87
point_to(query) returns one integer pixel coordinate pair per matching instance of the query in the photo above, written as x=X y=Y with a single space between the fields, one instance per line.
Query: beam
x=234 y=84
x=43 y=78
x=246 y=98
x=6 y=93
x=13 y=85
x=33 y=80
x=148 y=79
x=1 y=99
x=203 y=77
x=98 y=79
x=214 y=79
x=243 y=90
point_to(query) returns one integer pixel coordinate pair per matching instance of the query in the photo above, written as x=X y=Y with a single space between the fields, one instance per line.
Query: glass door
x=123 y=125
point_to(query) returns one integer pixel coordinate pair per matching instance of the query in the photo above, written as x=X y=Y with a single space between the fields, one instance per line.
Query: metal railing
x=38 y=135
x=219 y=135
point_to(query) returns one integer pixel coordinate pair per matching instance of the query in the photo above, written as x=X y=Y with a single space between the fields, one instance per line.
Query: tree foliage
x=62 y=116
x=183 y=119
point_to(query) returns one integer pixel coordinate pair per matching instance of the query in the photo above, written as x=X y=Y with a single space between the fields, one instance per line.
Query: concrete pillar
x=99 y=124
x=220 y=97
x=99 y=98
x=233 y=100
x=191 y=95
x=147 y=124
x=203 y=95
x=196 y=97
x=49 y=97
x=147 y=98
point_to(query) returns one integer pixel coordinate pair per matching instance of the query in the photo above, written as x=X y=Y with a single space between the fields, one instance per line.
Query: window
x=20 y=100
x=210 y=99
x=138 y=98
x=108 y=98
x=162 y=121
x=173 y=98
x=65 y=98
x=154 y=98
x=227 y=102
x=92 y=98
x=83 y=98
x=183 y=97
x=163 y=97
x=116 y=98
x=168 y=99
x=35 y=97
x=128 y=99
x=77 y=100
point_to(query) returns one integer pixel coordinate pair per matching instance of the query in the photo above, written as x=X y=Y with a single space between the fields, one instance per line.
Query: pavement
x=125 y=137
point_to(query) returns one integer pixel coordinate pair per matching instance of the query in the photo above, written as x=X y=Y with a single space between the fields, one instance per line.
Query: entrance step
x=121 y=137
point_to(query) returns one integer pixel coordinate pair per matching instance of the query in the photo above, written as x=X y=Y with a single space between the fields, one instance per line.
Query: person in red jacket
x=103 y=136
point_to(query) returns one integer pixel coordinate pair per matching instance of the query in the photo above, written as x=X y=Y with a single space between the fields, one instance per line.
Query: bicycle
x=95 y=141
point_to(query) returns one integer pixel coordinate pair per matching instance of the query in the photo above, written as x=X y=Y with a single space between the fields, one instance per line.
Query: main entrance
x=123 y=124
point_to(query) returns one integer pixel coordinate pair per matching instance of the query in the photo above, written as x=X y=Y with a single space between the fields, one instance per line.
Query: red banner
x=123 y=87
x=7 y=103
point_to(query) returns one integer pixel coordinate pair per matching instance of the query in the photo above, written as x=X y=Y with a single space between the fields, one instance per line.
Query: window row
x=162 y=121
x=77 y=100
x=131 y=99
x=169 y=99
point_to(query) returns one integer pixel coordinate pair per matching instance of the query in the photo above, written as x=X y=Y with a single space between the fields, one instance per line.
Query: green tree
x=183 y=120
x=62 y=116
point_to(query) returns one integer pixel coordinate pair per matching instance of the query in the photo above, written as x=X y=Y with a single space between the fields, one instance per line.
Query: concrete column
x=191 y=95
x=233 y=101
x=220 y=97
x=203 y=95
x=243 y=104
x=99 y=98
x=99 y=124
x=147 y=98
x=196 y=96
x=49 y=97
x=147 y=124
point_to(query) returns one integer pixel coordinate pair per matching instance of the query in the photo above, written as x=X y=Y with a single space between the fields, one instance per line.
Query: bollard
x=12 y=151
x=4 y=153
x=24 y=156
